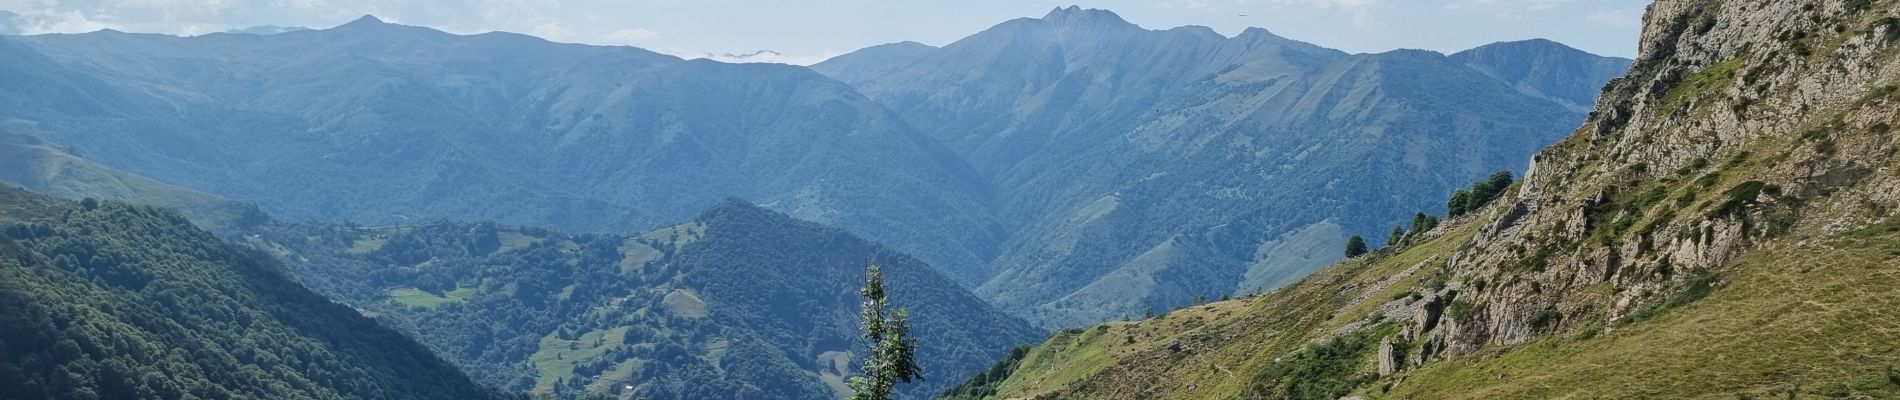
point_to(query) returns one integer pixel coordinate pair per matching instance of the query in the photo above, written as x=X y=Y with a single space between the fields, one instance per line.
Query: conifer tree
x=1355 y=247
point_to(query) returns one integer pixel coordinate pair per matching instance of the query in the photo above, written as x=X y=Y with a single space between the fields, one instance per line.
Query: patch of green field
x=685 y=303
x=620 y=375
x=512 y=240
x=555 y=359
x=677 y=236
x=418 y=298
x=833 y=367
x=635 y=255
x=714 y=349
x=367 y=245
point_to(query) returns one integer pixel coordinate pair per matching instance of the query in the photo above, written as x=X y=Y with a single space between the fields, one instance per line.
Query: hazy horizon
x=808 y=33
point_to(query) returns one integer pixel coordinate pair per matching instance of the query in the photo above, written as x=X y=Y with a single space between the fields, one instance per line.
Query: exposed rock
x=1390 y=359
x=1728 y=100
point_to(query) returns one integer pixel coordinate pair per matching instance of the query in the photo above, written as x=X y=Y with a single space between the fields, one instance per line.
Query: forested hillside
x=740 y=302
x=1723 y=226
x=1139 y=168
x=382 y=123
x=106 y=300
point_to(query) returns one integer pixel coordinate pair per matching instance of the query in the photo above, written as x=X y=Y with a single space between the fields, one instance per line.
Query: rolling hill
x=43 y=167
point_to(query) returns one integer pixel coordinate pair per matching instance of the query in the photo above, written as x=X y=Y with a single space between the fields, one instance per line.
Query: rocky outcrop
x=1738 y=121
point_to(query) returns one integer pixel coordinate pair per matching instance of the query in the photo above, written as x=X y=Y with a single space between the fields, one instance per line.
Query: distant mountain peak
x=907 y=44
x=366 y=21
x=1078 y=16
x=1536 y=43
x=1254 y=31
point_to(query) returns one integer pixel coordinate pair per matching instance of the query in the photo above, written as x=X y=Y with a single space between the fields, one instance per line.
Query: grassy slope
x=1224 y=342
x=1820 y=317
x=47 y=168
x=1813 y=314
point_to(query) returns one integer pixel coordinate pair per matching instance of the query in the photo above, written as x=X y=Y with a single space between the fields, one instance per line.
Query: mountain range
x=1140 y=169
x=1073 y=168
x=380 y=123
x=1721 y=226
x=643 y=226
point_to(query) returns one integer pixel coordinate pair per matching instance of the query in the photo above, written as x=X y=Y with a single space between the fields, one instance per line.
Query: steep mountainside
x=383 y=123
x=740 y=302
x=46 y=168
x=1138 y=168
x=117 y=301
x=1723 y=226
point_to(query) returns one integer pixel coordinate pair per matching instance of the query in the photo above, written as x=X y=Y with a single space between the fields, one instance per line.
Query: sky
x=803 y=32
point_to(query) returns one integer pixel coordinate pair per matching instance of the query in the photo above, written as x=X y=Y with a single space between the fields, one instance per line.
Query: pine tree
x=1397 y=235
x=1460 y=202
x=1498 y=182
x=1356 y=246
x=893 y=355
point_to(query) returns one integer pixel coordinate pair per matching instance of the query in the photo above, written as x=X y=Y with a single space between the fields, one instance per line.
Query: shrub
x=1320 y=372
x=1738 y=197
x=1460 y=310
x=1705 y=24
x=1545 y=318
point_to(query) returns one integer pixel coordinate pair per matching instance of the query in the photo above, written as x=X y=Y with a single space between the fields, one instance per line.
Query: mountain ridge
x=1212 y=121
x=381 y=123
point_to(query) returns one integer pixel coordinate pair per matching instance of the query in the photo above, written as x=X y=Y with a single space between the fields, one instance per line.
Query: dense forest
x=106 y=300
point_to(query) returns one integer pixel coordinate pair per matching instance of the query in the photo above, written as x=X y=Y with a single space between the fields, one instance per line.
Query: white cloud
x=553 y=31
x=48 y=21
x=1362 y=11
x=197 y=6
x=629 y=36
x=771 y=57
x=300 y=4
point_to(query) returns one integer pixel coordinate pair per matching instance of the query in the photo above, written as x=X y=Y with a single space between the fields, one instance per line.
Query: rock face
x=1735 y=116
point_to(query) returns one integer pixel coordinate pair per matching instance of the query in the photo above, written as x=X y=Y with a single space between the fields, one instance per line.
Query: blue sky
x=807 y=31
